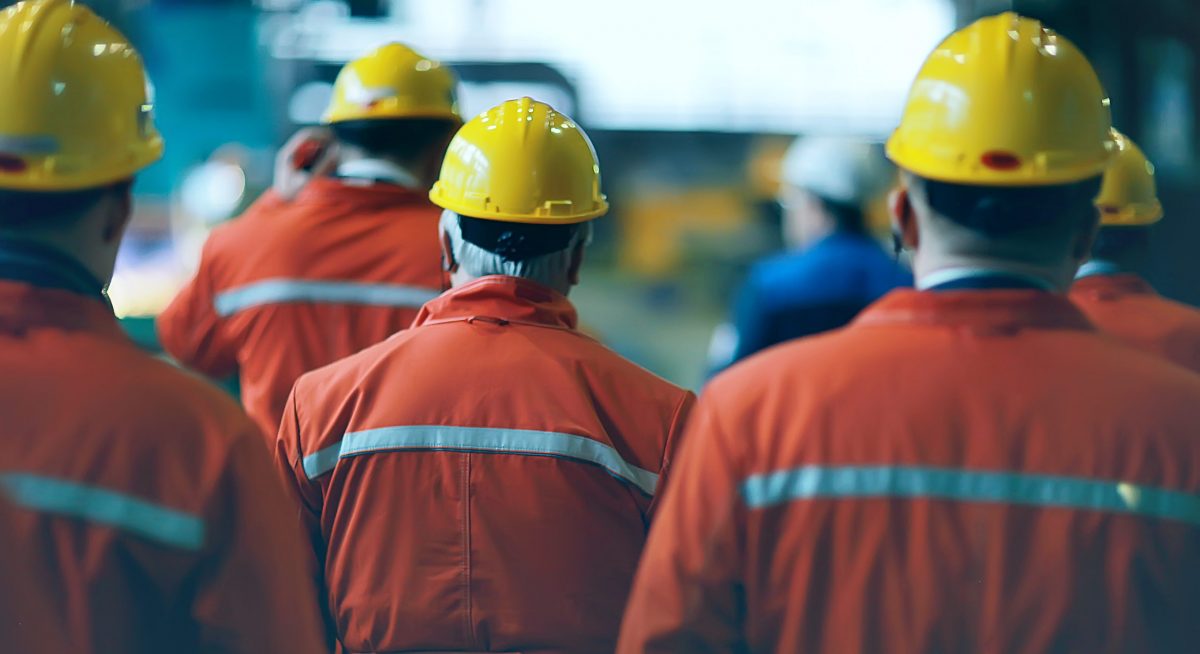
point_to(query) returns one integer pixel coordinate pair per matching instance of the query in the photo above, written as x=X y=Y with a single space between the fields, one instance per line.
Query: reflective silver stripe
x=275 y=291
x=841 y=482
x=482 y=439
x=105 y=507
x=322 y=461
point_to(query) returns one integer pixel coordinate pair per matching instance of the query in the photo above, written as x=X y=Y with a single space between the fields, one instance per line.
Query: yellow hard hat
x=1128 y=196
x=392 y=82
x=1005 y=102
x=521 y=162
x=76 y=109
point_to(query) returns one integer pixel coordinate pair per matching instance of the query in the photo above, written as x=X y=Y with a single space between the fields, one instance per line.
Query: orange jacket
x=973 y=471
x=1128 y=308
x=146 y=504
x=482 y=481
x=288 y=288
x=28 y=622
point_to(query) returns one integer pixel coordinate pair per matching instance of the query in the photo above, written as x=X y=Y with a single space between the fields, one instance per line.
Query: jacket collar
x=24 y=306
x=992 y=310
x=377 y=170
x=978 y=278
x=1107 y=287
x=1094 y=267
x=362 y=193
x=500 y=298
x=45 y=267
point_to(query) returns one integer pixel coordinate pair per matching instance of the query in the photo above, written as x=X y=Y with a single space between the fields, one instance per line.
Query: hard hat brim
x=366 y=114
x=1134 y=215
x=511 y=217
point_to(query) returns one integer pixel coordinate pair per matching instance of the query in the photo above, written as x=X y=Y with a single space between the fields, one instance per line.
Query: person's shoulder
x=1145 y=376
x=160 y=401
x=256 y=216
x=229 y=244
x=1184 y=318
x=792 y=277
x=333 y=381
x=163 y=379
x=603 y=361
x=781 y=265
x=788 y=365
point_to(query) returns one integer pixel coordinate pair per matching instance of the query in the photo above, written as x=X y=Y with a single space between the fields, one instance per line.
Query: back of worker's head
x=395 y=104
x=1003 y=141
x=826 y=183
x=547 y=254
x=1129 y=207
x=1039 y=225
x=520 y=185
x=76 y=125
x=410 y=142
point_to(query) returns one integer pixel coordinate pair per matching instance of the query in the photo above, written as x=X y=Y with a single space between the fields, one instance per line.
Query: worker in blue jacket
x=833 y=268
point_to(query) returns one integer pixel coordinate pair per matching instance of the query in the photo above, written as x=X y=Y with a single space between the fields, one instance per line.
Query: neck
x=42 y=265
x=804 y=237
x=931 y=270
x=97 y=264
x=379 y=170
x=460 y=278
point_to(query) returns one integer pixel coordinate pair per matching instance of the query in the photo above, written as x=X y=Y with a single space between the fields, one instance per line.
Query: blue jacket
x=820 y=288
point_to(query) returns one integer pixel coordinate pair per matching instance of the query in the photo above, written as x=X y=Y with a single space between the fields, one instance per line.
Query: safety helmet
x=1128 y=196
x=848 y=171
x=1005 y=102
x=393 y=82
x=76 y=107
x=521 y=162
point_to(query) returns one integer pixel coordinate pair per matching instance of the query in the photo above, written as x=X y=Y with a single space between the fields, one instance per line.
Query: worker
x=292 y=286
x=28 y=621
x=483 y=481
x=1108 y=288
x=144 y=501
x=834 y=268
x=969 y=467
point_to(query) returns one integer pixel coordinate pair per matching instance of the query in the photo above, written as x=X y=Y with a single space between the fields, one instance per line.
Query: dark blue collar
x=987 y=283
x=45 y=267
x=980 y=279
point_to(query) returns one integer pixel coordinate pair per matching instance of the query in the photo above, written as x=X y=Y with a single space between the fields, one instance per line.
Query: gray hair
x=548 y=269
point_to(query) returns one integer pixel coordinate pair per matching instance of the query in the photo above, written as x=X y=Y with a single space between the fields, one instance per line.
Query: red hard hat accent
x=10 y=163
x=999 y=160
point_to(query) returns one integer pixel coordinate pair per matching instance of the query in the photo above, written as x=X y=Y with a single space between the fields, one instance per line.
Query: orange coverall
x=482 y=481
x=146 y=507
x=290 y=287
x=967 y=471
x=28 y=622
x=1127 y=307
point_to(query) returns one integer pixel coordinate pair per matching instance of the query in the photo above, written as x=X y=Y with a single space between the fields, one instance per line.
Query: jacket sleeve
x=253 y=591
x=191 y=330
x=675 y=437
x=306 y=500
x=687 y=595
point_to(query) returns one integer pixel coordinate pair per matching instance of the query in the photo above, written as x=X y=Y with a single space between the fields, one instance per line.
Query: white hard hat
x=837 y=169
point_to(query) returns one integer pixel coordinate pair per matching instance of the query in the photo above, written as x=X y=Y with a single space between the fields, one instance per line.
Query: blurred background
x=690 y=103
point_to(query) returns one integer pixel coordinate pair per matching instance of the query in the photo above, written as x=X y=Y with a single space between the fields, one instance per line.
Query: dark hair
x=1003 y=210
x=1120 y=243
x=404 y=139
x=517 y=241
x=24 y=209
